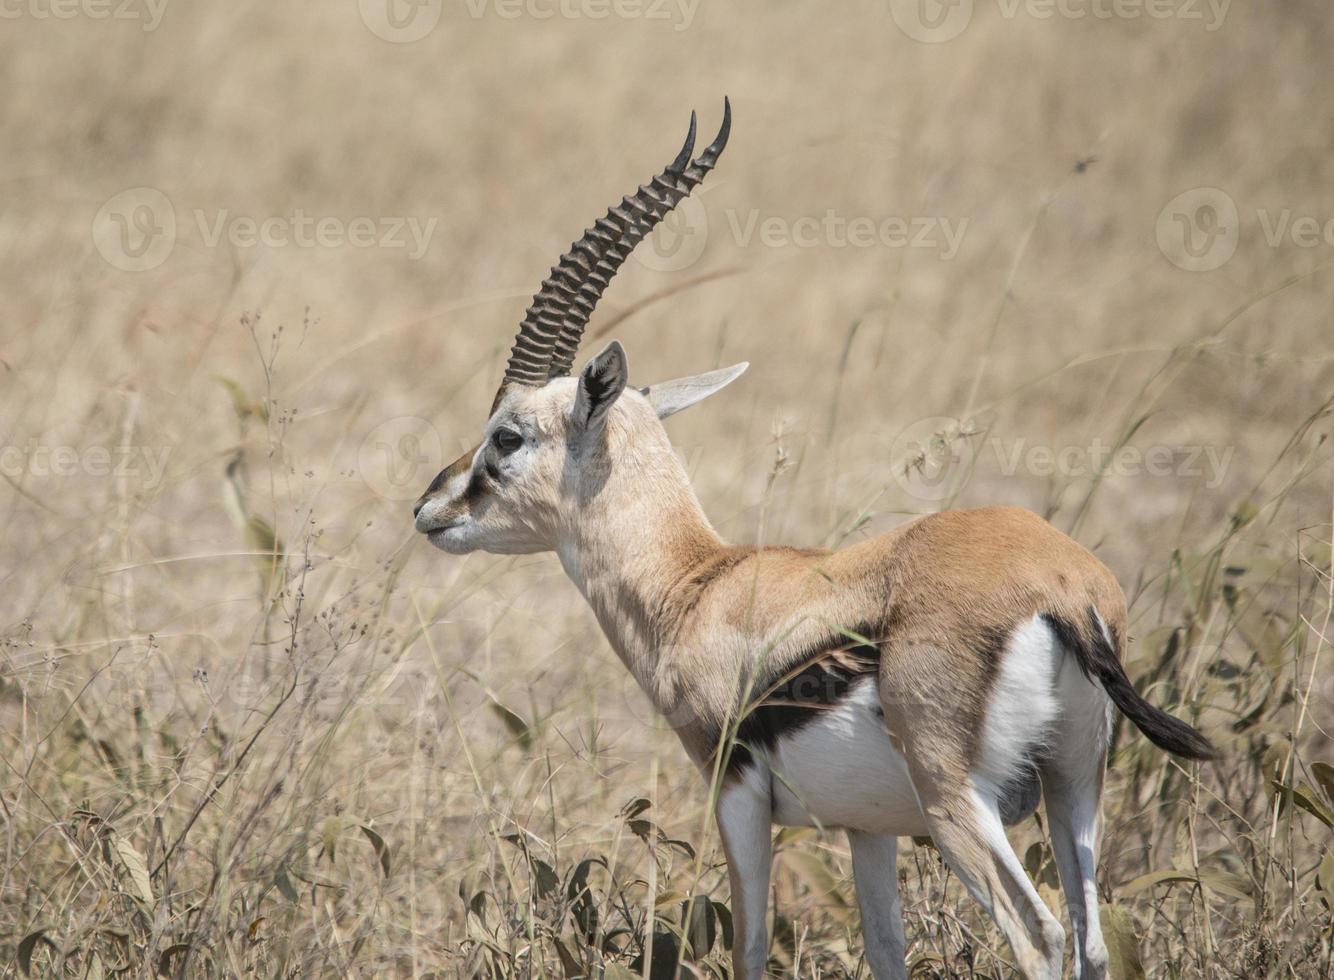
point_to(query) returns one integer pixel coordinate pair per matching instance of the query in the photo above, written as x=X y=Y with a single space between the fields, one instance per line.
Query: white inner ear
x=669 y=397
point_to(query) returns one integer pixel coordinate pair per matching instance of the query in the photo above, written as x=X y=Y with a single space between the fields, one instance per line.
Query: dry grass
x=250 y=726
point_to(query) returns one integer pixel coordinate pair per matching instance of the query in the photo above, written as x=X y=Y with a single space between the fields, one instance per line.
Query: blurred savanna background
x=261 y=266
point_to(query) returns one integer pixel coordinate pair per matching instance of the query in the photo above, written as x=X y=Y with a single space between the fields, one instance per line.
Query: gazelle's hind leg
x=961 y=772
x=966 y=826
x=1072 y=774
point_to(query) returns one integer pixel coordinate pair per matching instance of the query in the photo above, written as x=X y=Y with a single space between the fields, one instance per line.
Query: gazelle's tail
x=1100 y=661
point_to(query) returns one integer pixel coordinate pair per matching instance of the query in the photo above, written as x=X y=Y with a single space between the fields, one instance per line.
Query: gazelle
x=938 y=679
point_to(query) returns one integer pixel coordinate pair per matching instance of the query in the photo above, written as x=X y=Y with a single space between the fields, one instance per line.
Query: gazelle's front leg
x=875 y=873
x=745 y=818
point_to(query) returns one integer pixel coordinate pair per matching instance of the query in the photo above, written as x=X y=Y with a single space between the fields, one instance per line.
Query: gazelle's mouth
x=441 y=528
x=451 y=537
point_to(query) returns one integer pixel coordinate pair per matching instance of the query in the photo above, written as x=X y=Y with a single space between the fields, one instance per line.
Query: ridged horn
x=549 y=335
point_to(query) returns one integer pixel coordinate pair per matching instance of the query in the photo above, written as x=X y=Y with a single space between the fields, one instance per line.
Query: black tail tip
x=1175 y=736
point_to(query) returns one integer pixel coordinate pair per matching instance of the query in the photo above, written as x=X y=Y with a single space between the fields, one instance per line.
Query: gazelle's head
x=553 y=442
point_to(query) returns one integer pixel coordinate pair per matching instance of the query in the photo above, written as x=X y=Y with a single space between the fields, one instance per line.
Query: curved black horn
x=549 y=336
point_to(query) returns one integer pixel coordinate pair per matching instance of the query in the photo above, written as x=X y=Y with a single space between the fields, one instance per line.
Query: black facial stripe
x=438 y=483
x=797 y=699
x=476 y=488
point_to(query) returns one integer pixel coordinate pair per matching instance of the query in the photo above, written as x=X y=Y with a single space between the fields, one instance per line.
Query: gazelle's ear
x=669 y=397
x=600 y=384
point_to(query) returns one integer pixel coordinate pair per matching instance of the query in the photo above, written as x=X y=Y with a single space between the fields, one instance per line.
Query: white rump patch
x=1022 y=707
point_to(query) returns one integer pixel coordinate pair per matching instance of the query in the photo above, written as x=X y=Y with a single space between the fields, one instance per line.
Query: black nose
x=417 y=508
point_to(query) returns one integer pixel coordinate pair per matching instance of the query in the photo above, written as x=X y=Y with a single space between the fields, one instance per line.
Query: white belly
x=841 y=770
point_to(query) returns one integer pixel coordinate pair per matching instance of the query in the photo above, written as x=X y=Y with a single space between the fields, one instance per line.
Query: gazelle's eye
x=506 y=440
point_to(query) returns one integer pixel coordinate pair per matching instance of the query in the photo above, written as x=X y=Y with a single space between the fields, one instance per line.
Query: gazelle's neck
x=631 y=548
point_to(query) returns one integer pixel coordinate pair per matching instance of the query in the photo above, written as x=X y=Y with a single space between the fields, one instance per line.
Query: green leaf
x=666 y=957
x=724 y=915
x=329 y=832
x=1147 y=881
x=137 y=870
x=241 y=403
x=815 y=873
x=700 y=924
x=573 y=970
x=1305 y=797
x=284 y=884
x=635 y=807
x=28 y=945
x=547 y=882
x=165 y=967
x=381 y=848
x=1122 y=939
x=683 y=846
x=1324 y=879
x=1324 y=775
x=583 y=906
x=1229 y=884
x=520 y=729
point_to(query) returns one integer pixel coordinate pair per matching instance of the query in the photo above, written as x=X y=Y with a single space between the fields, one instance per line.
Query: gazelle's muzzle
x=445 y=502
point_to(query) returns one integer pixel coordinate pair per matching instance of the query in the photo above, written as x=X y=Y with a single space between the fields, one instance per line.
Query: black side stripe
x=782 y=703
